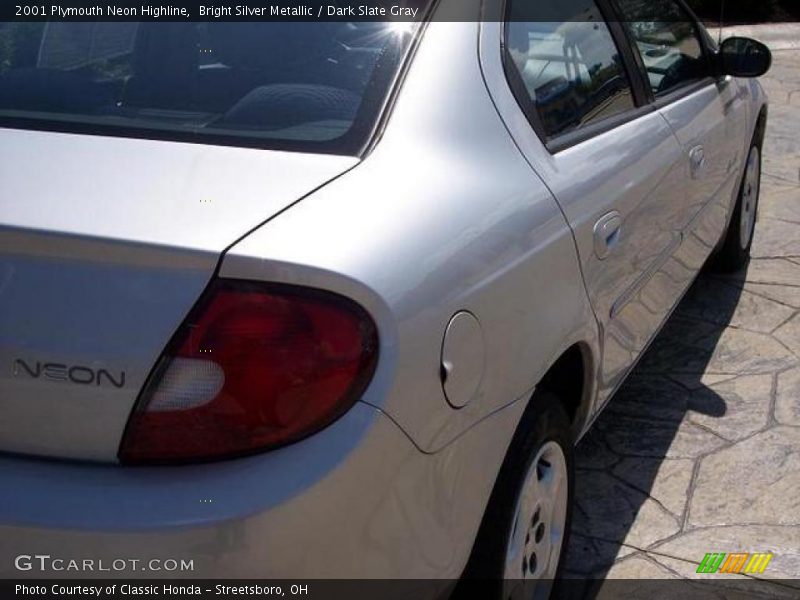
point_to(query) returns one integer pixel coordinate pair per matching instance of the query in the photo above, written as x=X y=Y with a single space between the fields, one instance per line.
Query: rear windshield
x=316 y=87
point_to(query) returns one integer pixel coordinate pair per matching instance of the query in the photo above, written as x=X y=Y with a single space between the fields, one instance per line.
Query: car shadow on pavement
x=636 y=466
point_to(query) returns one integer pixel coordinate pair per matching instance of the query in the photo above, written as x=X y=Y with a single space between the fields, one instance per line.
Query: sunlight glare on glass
x=400 y=27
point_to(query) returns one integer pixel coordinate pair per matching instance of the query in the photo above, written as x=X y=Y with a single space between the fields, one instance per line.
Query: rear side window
x=668 y=41
x=565 y=63
x=307 y=86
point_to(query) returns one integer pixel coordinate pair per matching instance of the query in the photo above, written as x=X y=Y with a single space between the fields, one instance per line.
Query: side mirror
x=743 y=57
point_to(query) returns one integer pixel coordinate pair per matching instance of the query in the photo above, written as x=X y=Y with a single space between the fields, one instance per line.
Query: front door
x=707 y=114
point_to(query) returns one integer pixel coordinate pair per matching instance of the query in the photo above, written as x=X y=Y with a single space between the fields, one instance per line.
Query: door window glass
x=668 y=42
x=568 y=63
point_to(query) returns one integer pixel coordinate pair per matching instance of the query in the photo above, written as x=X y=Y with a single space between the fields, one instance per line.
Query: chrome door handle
x=606 y=234
x=697 y=160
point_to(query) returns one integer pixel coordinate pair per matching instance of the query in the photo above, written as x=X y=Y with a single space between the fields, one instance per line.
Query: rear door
x=610 y=159
x=706 y=113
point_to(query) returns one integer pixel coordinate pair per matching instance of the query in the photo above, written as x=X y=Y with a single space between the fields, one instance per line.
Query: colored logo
x=741 y=562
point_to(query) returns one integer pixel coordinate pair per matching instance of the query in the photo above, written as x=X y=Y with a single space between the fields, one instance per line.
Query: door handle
x=606 y=234
x=697 y=160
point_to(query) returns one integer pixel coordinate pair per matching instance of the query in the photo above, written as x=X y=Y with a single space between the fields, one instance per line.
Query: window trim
x=682 y=92
x=636 y=57
x=519 y=91
x=630 y=54
x=643 y=104
x=584 y=134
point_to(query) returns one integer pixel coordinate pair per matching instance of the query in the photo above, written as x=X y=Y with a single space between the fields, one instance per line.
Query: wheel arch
x=760 y=130
x=570 y=378
x=570 y=381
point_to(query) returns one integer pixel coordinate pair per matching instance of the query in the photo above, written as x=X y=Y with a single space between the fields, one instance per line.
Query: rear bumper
x=325 y=507
x=357 y=500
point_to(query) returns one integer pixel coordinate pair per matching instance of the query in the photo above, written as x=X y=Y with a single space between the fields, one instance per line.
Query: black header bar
x=318 y=10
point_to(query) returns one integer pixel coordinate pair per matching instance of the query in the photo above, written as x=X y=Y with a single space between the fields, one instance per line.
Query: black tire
x=543 y=421
x=734 y=254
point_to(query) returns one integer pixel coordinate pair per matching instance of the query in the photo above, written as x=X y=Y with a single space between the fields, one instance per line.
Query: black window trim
x=640 y=71
x=641 y=87
x=706 y=41
x=584 y=134
x=556 y=144
x=683 y=91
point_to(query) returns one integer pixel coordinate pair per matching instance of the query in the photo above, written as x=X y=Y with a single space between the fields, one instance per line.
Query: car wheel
x=526 y=526
x=735 y=250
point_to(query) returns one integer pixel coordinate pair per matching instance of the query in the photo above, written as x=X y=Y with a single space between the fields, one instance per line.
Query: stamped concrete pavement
x=700 y=450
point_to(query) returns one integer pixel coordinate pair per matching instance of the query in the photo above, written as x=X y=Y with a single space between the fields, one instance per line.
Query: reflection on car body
x=367 y=286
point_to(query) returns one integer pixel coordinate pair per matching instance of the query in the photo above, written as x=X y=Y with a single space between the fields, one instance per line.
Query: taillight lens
x=253 y=367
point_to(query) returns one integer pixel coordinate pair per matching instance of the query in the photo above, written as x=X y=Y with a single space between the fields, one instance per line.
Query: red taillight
x=253 y=367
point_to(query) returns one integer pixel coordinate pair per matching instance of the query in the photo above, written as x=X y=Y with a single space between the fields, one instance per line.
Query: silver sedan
x=337 y=300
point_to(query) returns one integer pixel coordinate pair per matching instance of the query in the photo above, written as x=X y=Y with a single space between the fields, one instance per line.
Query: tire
x=735 y=251
x=513 y=530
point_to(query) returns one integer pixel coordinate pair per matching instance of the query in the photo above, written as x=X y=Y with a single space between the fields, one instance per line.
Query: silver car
x=337 y=300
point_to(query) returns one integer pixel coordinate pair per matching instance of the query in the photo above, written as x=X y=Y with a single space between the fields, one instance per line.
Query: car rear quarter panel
x=444 y=215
